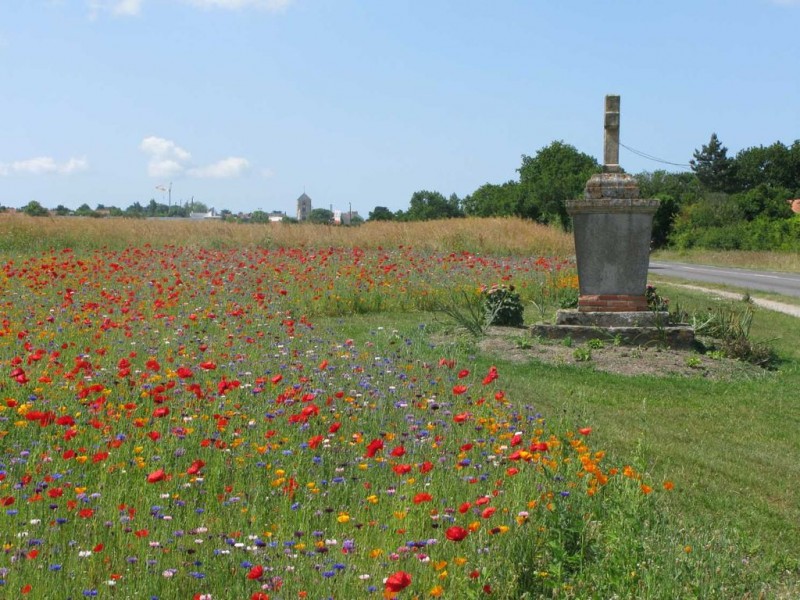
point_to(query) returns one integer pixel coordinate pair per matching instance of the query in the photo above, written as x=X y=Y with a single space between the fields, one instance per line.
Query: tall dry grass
x=495 y=236
x=762 y=261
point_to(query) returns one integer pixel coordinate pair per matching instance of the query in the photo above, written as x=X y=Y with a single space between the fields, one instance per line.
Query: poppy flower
x=256 y=572
x=585 y=430
x=491 y=376
x=195 y=467
x=397 y=581
x=373 y=447
x=155 y=476
x=463 y=373
x=456 y=533
x=422 y=497
x=459 y=389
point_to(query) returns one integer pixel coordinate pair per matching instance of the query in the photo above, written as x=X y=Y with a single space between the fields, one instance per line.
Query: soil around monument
x=518 y=345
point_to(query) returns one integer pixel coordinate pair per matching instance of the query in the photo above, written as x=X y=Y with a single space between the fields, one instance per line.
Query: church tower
x=303 y=207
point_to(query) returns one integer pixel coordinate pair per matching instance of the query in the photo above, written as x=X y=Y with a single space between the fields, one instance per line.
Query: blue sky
x=244 y=104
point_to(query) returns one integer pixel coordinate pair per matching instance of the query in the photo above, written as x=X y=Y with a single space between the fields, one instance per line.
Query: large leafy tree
x=713 y=167
x=320 y=216
x=492 y=200
x=426 y=206
x=35 y=209
x=774 y=166
x=380 y=213
x=557 y=173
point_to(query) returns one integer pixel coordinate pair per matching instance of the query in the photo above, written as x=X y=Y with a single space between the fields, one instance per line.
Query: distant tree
x=556 y=174
x=774 y=166
x=259 y=216
x=61 y=210
x=101 y=207
x=426 y=206
x=492 y=200
x=114 y=211
x=380 y=213
x=84 y=210
x=713 y=167
x=674 y=190
x=135 y=210
x=34 y=209
x=321 y=216
x=356 y=220
x=197 y=207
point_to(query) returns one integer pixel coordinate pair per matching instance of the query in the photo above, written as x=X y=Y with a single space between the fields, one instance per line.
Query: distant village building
x=303 y=207
x=344 y=217
x=211 y=214
x=276 y=216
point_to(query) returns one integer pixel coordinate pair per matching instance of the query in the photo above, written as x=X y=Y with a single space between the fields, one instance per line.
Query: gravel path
x=789 y=309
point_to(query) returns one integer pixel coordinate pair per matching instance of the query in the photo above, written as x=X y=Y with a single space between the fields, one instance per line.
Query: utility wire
x=654 y=158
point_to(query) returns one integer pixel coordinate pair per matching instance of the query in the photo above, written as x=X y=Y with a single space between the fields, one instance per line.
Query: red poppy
x=491 y=376
x=195 y=467
x=208 y=365
x=155 y=476
x=585 y=430
x=463 y=373
x=397 y=581
x=456 y=533
x=398 y=451
x=459 y=389
x=373 y=447
x=256 y=572
x=426 y=466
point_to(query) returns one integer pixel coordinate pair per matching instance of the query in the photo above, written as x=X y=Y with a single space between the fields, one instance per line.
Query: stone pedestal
x=612 y=228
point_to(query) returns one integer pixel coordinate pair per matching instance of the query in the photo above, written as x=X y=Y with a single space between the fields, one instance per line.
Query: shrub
x=502 y=306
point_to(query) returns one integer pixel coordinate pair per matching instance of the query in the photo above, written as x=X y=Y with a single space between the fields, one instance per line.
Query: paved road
x=787 y=284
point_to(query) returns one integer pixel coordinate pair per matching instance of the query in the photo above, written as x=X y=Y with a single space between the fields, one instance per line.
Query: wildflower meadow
x=181 y=422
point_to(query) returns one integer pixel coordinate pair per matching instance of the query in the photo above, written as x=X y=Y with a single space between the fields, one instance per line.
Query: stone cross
x=611 y=138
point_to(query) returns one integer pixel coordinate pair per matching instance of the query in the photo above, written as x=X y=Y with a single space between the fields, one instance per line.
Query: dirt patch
x=517 y=345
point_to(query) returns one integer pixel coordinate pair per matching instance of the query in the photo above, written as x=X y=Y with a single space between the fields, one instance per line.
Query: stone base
x=626 y=328
x=647 y=318
x=594 y=303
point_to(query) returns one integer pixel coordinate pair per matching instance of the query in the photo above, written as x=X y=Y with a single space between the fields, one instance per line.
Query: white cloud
x=120 y=8
x=43 y=165
x=228 y=167
x=166 y=157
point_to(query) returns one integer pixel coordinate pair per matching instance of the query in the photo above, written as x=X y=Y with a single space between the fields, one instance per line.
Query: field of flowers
x=174 y=423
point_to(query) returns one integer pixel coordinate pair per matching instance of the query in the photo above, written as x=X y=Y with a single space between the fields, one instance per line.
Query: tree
x=34 y=209
x=492 y=200
x=774 y=166
x=556 y=174
x=427 y=206
x=84 y=210
x=674 y=190
x=380 y=213
x=713 y=167
x=61 y=210
x=321 y=216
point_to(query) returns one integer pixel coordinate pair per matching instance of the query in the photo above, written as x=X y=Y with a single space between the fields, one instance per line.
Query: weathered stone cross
x=611 y=138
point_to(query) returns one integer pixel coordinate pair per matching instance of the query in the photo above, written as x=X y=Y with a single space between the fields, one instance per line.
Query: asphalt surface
x=787 y=284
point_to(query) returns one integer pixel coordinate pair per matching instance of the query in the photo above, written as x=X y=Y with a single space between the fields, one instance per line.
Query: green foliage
x=34 y=209
x=502 y=306
x=556 y=174
x=713 y=166
x=380 y=213
x=655 y=301
x=582 y=354
x=427 y=206
x=321 y=216
x=491 y=200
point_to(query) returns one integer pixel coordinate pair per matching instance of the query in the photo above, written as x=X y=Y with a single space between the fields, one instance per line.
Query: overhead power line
x=654 y=158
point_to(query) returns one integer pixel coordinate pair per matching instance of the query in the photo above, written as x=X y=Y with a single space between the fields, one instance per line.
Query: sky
x=246 y=104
